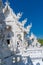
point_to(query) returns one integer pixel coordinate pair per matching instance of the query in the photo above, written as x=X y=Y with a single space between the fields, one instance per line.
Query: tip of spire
x=7 y=2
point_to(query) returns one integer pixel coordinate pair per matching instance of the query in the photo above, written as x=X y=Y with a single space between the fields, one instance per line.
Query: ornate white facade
x=15 y=46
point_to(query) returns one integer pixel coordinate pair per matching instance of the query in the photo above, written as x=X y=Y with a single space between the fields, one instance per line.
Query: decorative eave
x=7 y=7
x=27 y=29
x=13 y=17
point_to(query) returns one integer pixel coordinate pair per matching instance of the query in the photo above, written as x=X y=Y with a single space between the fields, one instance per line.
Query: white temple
x=16 y=48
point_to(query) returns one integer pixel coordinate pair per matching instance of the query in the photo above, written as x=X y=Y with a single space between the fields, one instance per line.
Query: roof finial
x=7 y=2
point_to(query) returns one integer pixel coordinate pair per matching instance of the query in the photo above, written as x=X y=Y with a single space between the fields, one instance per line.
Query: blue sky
x=33 y=11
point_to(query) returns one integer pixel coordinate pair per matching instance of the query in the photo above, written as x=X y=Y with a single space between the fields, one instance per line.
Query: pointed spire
x=7 y=2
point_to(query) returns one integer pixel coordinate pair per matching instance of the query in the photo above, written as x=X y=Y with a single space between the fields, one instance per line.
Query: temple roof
x=11 y=16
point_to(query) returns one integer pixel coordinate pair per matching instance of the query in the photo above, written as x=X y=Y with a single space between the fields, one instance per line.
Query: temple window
x=8 y=41
x=17 y=43
x=8 y=27
x=32 y=39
